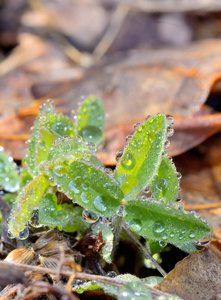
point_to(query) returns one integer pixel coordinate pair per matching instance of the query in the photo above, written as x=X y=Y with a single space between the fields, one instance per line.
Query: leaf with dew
x=64 y=216
x=9 y=180
x=27 y=200
x=142 y=156
x=164 y=223
x=90 y=121
x=45 y=110
x=165 y=182
x=88 y=186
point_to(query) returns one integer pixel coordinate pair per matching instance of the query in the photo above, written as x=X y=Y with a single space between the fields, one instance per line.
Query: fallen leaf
x=198 y=276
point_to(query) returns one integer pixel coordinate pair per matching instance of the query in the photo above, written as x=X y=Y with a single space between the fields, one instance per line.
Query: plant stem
x=143 y=249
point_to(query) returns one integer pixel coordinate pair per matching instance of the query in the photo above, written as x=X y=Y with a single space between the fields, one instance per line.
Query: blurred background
x=139 y=57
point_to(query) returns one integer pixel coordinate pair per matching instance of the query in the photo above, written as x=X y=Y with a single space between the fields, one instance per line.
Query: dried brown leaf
x=197 y=276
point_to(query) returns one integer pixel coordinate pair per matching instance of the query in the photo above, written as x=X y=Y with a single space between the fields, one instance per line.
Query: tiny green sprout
x=139 y=195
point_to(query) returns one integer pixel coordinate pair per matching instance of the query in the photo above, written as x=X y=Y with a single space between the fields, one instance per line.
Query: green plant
x=139 y=195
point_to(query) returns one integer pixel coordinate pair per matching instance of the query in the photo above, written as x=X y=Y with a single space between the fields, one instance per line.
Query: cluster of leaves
x=141 y=192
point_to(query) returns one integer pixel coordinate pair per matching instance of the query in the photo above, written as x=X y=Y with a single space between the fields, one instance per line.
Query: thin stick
x=116 y=22
x=143 y=250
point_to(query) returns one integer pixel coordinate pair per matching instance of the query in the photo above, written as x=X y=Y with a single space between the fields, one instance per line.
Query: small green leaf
x=163 y=223
x=8 y=173
x=153 y=246
x=64 y=216
x=28 y=199
x=59 y=126
x=165 y=183
x=44 y=111
x=91 y=120
x=89 y=187
x=151 y=281
x=142 y=157
x=108 y=237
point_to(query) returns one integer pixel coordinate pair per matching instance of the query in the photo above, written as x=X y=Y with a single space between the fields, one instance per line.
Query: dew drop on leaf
x=158 y=226
x=135 y=225
x=162 y=244
x=99 y=204
x=170 y=120
x=179 y=175
x=59 y=170
x=10 y=235
x=85 y=197
x=166 y=144
x=62 y=215
x=119 y=154
x=73 y=187
x=128 y=162
x=137 y=125
x=162 y=184
x=170 y=131
x=89 y=216
x=23 y=235
x=192 y=234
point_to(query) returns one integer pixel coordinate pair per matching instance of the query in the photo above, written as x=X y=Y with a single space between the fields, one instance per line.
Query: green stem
x=143 y=249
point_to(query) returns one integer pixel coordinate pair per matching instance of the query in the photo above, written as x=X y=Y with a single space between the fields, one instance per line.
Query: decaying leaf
x=197 y=276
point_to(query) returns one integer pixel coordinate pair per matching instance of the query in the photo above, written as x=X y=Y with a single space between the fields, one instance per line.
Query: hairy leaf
x=165 y=182
x=164 y=223
x=91 y=120
x=28 y=199
x=142 y=156
x=46 y=110
x=69 y=147
x=89 y=187
x=8 y=173
x=64 y=216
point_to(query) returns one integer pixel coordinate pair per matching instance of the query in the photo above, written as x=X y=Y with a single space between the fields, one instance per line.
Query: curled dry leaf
x=197 y=276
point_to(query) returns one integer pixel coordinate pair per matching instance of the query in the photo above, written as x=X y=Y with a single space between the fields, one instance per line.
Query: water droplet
x=84 y=186
x=178 y=197
x=73 y=187
x=111 y=274
x=148 y=117
x=51 y=181
x=128 y=138
x=146 y=189
x=28 y=142
x=162 y=184
x=89 y=216
x=128 y=161
x=85 y=197
x=170 y=120
x=180 y=236
x=135 y=225
x=107 y=220
x=192 y=234
x=10 y=235
x=137 y=125
x=92 y=134
x=99 y=204
x=162 y=244
x=171 y=234
x=158 y=226
x=59 y=170
x=170 y=131
x=23 y=235
x=166 y=144
x=35 y=219
x=180 y=207
x=119 y=154
x=179 y=175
